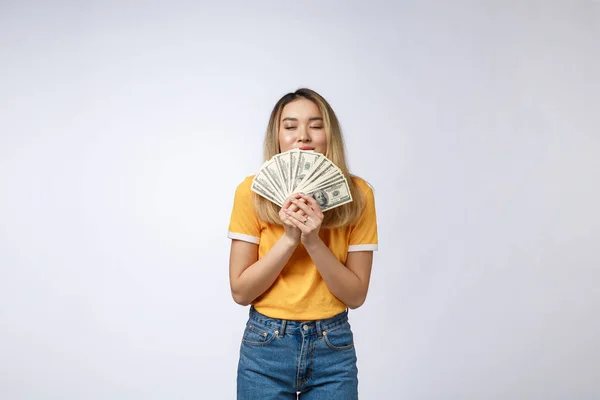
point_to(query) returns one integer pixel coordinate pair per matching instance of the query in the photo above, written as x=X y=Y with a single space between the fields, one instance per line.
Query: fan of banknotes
x=302 y=171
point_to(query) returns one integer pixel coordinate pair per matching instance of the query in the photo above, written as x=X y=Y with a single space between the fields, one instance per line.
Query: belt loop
x=282 y=328
x=319 y=329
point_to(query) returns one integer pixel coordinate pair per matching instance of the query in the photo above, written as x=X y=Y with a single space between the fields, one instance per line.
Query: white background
x=125 y=128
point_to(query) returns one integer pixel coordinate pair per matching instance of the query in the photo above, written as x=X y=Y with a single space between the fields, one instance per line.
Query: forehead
x=300 y=108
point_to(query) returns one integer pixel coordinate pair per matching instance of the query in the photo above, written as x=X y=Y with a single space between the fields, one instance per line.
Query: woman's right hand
x=291 y=231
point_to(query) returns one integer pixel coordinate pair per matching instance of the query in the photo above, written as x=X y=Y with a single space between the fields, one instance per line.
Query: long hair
x=346 y=214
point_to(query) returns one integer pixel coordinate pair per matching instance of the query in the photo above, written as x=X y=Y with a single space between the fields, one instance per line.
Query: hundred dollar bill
x=272 y=171
x=264 y=192
x=294 y=155
x=320 y=185
x=267 y=185
x=283 y=164
x=322 y=170
x=301 y=170
x=306 y=163
x=332 y=196
x=327 y=174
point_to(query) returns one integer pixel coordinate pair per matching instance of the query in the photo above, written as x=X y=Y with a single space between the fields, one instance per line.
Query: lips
x=306 y=148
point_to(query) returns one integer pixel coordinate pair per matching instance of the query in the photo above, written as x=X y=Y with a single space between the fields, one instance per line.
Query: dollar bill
x=283 y=164
x=332 y=196
x=294 y=156
x=267 y=184
x=320 y=185
x=302 y=170
x=307 y=162
x=322 y=171
x=265 y=192
x=272 y=171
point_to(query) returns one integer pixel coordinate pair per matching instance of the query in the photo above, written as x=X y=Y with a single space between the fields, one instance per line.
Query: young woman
x=301 y=269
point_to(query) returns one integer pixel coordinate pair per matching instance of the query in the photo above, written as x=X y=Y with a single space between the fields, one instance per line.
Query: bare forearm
x=258 y=277
x=342 y=282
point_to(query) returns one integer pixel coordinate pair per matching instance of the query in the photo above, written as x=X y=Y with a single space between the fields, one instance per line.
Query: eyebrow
x=296 y=119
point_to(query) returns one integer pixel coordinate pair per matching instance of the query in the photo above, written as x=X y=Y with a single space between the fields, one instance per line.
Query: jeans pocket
x=257 y=335
x=339 y=338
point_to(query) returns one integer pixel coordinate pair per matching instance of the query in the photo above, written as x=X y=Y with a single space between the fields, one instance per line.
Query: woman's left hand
x=309 y=223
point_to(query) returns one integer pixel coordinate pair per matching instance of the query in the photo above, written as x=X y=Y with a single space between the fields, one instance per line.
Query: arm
x=349 y=282
x=250 y=277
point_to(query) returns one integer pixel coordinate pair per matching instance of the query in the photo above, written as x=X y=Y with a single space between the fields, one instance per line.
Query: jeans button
x=305 y=327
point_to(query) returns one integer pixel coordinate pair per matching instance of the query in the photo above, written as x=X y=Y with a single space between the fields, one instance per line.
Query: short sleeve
x=244 y=224
x=363 y=235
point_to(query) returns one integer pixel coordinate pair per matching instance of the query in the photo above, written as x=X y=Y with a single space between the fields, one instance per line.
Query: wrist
x=289 y=241
x=312 y=243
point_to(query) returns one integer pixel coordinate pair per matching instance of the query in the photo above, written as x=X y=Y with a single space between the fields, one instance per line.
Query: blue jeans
x=279 y=358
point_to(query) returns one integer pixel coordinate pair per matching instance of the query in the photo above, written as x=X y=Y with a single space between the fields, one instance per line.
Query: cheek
x=285 y=140
x=321 y=136
x=321 y=139
x=285 y=137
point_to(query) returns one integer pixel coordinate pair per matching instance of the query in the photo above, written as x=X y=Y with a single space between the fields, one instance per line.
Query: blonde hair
x=346 y=214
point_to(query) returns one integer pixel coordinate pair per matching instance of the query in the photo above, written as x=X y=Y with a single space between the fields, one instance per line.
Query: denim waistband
x=286 y=325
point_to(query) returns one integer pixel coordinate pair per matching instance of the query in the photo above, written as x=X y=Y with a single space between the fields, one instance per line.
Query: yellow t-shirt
x=299 y=292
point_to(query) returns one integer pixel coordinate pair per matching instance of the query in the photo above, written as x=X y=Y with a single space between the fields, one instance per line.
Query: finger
x=303 y=206
x=298 y=224
x=287 y=203
x=294 y=208
x=297 y=196
x=287 y=220
x=296 y=216
x=314 y=204
x=285 y=217
x=291 y=198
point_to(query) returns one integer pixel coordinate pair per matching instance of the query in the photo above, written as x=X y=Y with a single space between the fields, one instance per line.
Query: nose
x=303 y=135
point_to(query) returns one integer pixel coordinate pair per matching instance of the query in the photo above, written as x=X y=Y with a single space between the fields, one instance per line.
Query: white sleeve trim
x=363 y=247
x=245 y=238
